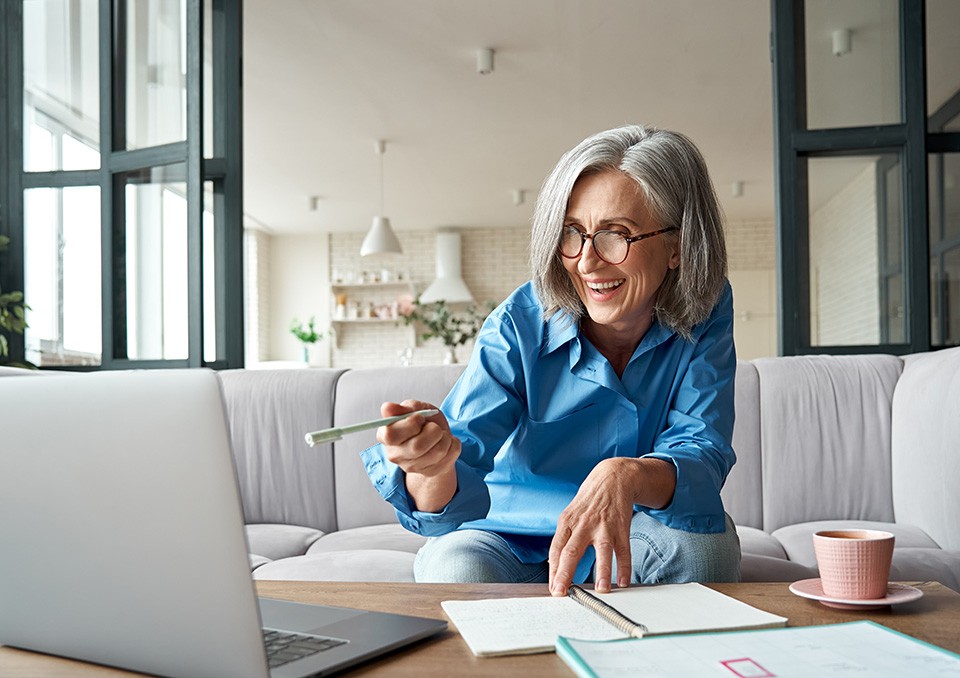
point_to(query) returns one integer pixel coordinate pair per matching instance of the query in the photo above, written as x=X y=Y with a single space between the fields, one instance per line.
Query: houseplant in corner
x=12 y=319
x=453 y=328
x=307 y=334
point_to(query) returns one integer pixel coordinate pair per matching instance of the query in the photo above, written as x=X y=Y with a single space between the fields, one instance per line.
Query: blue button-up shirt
x=538 y=406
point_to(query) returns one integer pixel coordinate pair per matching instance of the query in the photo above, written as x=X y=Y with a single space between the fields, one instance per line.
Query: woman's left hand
x=600 y=516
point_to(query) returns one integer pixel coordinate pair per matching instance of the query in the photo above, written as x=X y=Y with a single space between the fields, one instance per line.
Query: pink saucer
x=896 y=594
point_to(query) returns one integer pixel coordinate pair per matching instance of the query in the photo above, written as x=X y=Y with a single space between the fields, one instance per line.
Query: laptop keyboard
x=283 y=646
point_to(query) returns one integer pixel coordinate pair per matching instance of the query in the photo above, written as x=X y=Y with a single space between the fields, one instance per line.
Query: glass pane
x=209 y=277
x=61 y=83
x=951 y=292
x=62 y=275
x=951 y=195
x=852 y=63
x=156 y=264
x=943 y=55
x=156 y=72
x=853 y=293
x=936 y=337
x=893 y=218
x=208 y=79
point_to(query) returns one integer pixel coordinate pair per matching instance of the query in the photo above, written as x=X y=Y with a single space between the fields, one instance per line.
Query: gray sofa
x=822 y=442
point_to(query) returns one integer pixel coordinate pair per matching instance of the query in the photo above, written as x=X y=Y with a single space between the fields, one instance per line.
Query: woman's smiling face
x=618 y=297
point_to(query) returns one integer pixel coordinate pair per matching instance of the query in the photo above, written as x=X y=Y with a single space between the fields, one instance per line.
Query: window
x=867 y=141
x=126 y=180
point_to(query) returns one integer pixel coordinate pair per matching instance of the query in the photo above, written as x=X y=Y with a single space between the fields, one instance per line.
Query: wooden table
x=934 y=618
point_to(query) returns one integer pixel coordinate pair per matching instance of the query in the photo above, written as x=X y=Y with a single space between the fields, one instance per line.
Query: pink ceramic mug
x=854 y=564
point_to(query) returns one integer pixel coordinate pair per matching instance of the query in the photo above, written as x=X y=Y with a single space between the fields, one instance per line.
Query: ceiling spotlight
x=314 y=203
x=519 y=196
x=842 y=39
x=736 y=188
x=485 y=61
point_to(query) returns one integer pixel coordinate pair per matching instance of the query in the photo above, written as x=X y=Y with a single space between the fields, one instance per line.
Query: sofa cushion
x=758 y=542
x=918 y=564
x=825 y=431
x=754 y=568
x=391 y=537
x=256 y=561
x=364 y=565
x=280 y=541
x=797 y=540
x=925 y=435
x=360 y=393
x=282 y=480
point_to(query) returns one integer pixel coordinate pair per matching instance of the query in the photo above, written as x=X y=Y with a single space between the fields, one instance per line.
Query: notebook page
x=524 y=625
x=681 y=608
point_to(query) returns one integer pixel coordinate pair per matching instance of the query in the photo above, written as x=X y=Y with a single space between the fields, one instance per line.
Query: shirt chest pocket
x=566 y=448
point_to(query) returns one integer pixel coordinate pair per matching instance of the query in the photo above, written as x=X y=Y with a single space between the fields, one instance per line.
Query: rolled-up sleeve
x=483 y=409
x=697 y=438
x=470 y=502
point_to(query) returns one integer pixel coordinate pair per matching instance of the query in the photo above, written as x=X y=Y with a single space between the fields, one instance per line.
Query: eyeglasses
x=610 y=246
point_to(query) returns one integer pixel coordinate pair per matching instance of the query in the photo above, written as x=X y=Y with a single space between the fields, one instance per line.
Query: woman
x=591 y=429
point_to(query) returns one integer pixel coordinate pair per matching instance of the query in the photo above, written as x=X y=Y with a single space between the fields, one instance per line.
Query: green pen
x=330 y=435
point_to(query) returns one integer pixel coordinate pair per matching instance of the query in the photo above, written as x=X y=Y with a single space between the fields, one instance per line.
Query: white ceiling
x=323 y=79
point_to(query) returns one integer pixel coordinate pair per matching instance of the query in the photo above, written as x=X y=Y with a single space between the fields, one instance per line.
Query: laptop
x=123 y=544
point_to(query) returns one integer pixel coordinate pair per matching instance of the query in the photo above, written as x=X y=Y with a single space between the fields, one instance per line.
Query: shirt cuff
x=696 y=505
x=471 y=501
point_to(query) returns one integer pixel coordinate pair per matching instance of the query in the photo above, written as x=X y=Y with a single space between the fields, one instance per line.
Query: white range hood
x=449 y=285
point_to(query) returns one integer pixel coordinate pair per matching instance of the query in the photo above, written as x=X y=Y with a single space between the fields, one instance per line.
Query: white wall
x=299 y=288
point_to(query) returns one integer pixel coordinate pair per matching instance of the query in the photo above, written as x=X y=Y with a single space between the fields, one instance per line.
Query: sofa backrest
x=282 y=480
x=926 y=445
x=360 y=393
x=741 y=493
x=825 y=435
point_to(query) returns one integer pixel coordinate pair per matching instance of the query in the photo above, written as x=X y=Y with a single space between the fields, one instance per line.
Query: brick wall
x=844 y=299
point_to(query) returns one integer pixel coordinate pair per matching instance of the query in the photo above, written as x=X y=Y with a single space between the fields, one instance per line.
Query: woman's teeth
x=600 y=287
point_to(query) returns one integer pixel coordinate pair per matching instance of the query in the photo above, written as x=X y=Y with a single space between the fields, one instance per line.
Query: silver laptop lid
x=120 y=521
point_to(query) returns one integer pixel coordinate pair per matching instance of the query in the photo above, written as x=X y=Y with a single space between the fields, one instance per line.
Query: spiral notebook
x=506 y=626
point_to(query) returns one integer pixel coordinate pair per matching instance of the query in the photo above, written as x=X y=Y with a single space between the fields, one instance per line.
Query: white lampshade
x=380 y=239
x=449 y=285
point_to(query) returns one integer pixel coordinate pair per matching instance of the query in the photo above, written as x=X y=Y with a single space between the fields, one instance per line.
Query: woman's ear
x=674 y=261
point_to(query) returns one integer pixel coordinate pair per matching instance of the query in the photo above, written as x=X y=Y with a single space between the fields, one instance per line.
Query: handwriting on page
x=498 y=626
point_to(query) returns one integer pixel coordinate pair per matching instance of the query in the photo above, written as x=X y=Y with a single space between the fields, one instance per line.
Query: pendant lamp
x=380 y=239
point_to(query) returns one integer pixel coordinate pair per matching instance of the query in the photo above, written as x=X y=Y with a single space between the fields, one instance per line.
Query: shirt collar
x=561 y=329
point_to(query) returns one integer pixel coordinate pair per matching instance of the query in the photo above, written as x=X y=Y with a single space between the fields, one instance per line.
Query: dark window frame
x=223 y=172
x=911 y=139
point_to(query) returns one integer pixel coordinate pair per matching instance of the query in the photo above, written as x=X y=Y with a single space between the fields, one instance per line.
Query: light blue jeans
x=659 y=555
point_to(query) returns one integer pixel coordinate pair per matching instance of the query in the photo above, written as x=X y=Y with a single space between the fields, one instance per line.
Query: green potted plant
x=307 y=334
x=12 y=318
x=453 y=328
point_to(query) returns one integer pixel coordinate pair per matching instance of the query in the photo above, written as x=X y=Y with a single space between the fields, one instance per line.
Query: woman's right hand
x=425 y=449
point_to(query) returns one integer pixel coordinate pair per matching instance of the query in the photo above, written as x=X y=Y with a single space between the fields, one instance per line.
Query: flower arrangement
x=307 y=334
x=453 y=328
x=12 y=318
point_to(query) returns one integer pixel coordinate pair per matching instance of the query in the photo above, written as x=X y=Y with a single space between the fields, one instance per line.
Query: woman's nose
x=588 y=257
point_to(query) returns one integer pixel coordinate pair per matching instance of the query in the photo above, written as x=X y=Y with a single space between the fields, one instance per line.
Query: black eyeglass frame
x=590 y=236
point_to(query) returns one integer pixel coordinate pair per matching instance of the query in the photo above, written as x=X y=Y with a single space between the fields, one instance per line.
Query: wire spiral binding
x=608 y=613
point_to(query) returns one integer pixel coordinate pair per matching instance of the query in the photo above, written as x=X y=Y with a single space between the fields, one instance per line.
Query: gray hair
x=673 y=176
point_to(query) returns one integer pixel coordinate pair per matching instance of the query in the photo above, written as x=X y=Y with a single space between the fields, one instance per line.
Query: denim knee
x=473 y=556
x=662 y=554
